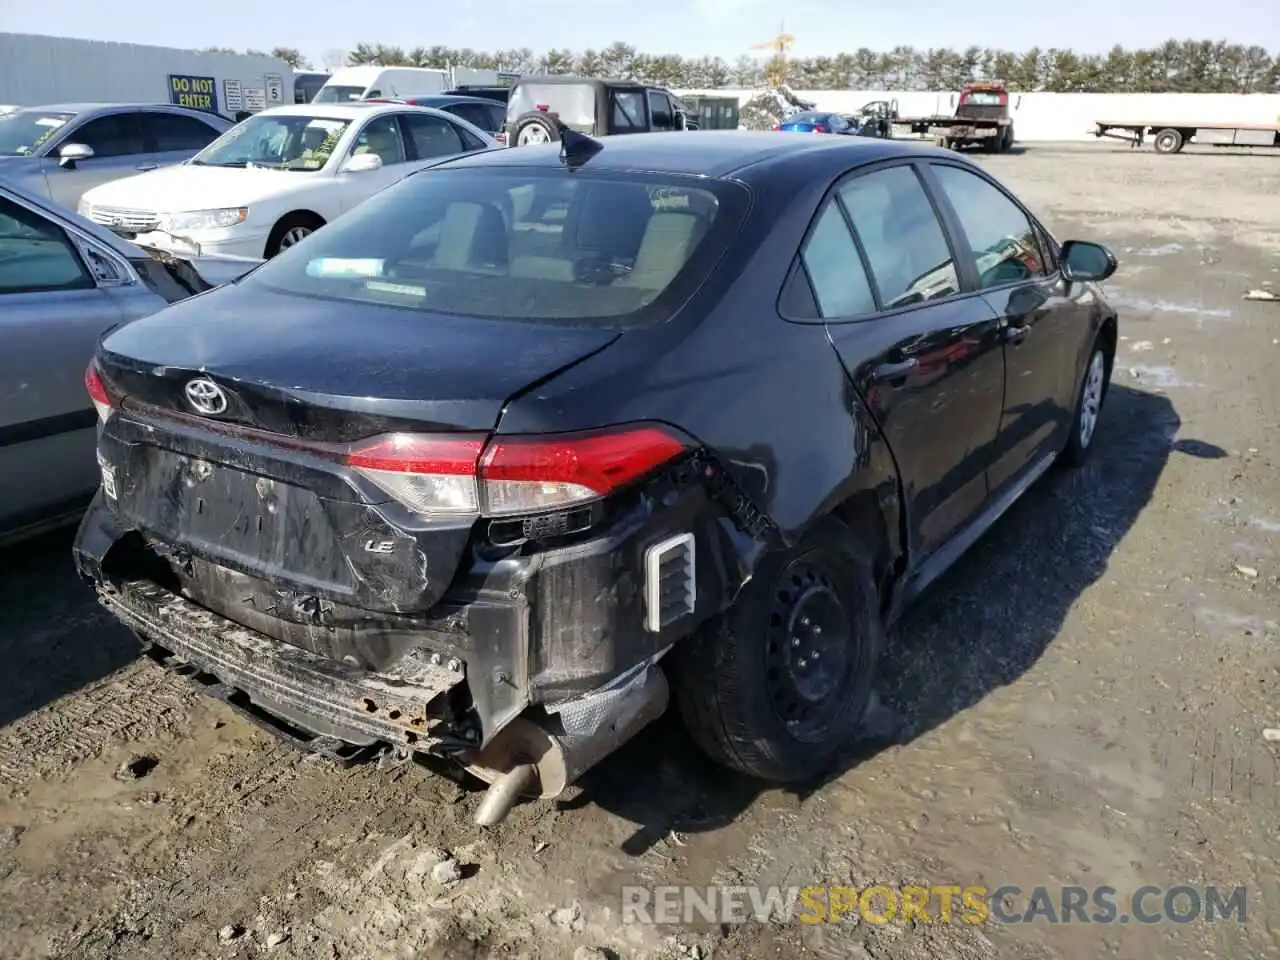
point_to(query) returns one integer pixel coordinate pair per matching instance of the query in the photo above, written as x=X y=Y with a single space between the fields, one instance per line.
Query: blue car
x=812 y=121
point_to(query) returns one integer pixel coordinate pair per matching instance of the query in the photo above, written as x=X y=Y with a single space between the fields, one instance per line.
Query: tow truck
x=982 y=116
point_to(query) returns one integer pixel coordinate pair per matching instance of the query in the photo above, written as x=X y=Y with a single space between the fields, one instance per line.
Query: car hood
x=190 y=187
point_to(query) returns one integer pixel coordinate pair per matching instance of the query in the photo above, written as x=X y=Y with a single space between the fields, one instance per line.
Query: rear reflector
x=97 y=391
x=437 y=475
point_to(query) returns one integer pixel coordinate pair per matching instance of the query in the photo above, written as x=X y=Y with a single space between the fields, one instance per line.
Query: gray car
x=63 y=282
x=60 y=151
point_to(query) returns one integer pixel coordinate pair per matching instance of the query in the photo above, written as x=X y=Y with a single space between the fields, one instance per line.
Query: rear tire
x=1168 y=141
x=778 y=685
x=290 y=230
x=1084 y=425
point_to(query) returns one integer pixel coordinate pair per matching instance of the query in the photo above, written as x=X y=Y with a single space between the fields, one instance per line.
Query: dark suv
x=539 y=106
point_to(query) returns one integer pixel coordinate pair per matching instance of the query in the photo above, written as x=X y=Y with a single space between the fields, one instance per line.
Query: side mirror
x=72 y=153
x=681 y=122
x=362 y=163
x=1084 y=261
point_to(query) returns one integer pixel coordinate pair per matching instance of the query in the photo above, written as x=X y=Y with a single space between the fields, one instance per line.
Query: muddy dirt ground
x=1084 y=702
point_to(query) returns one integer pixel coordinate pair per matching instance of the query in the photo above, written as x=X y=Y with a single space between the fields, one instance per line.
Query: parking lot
x=1081 y=702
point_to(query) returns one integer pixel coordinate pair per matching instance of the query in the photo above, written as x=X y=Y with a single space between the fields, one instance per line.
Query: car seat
x=669 y=240
x=473 y=236
x=384 y=143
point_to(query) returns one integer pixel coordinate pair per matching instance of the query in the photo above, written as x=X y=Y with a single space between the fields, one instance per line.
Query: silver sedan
x=63 y=282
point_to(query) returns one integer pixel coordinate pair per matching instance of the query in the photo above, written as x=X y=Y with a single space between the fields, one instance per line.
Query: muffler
x=540 y=758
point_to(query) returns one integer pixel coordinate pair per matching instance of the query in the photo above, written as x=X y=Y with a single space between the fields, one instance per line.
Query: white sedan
x=278 y=176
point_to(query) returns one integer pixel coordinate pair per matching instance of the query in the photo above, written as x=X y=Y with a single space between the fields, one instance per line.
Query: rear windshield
x=575 y=103
x=520 y=244
x=808 y=116
x=983 y=98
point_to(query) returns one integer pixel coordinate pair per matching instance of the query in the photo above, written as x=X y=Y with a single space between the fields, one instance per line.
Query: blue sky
x=725 y=28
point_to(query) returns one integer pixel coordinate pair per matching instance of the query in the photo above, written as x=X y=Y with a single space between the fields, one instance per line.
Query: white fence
x=1061 y=116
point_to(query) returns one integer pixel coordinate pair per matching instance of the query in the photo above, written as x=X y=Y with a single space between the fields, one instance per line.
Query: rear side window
x=432 y=136
x=835 y=270
x=628 y=111
x=531 y=244
x=170 y=132
x=574 y=103
x=1002 y=238
x=900 y=232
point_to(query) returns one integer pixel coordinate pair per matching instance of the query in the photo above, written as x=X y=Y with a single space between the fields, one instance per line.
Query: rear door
x=119 y=150
x=924 y=353
x=51 y=314
x=1043 y=323
x=172 y=138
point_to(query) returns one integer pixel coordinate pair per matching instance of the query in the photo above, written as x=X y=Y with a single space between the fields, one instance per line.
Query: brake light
x=525 y=474
x=97 y=391
x=544 y=107
x=777 y=127
x=437 y=475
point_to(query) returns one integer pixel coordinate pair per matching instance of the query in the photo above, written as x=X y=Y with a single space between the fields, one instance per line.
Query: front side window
x=903 y=239
x=278 y=142
x=118 y=135
x=660 y=110
x=381 y=136
x=23 y=132
x=1004 y=243
x=628 y=111
x=528 y=244
x=36 y=255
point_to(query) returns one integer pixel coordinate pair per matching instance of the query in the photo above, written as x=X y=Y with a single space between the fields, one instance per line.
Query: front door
x=51 y=315
x=119 y=150
x=924 y=356
x=1042 y=325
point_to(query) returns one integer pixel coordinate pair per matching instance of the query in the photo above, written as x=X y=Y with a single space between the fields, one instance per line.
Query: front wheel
x=778 y=686
x=1084 y=426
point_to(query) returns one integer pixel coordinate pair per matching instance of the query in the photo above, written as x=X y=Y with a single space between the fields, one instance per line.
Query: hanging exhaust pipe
x=540 y=758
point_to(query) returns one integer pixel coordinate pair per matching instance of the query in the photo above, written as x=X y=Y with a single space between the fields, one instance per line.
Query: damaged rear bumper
x=316 y=697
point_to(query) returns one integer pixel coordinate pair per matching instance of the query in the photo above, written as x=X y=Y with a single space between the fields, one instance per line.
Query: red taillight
x=523 y=474
x=544 y=107
x=461 y=476
x=818 y=130
x=777 y=126
x=97 y=391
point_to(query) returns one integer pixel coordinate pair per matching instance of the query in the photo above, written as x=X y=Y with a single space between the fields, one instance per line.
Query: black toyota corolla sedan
x=478 y=468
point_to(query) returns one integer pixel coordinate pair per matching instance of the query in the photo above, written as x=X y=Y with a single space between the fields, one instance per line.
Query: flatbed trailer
x=1172 y=137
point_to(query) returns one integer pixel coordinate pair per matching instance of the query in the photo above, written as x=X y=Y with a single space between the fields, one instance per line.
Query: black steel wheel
x=780 y=684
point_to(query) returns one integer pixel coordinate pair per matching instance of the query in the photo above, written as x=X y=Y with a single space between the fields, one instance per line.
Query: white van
x=361 y=83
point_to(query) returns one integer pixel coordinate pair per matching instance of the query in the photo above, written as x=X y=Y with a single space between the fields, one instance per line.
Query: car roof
x=336 y=111
x=447 y=99
x=570 y=79
x=93 y=107
x=714 y=153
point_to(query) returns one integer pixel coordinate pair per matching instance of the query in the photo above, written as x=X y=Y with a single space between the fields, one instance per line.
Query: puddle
x=1120 y=298
x=1158 y=375
x=1165 y=250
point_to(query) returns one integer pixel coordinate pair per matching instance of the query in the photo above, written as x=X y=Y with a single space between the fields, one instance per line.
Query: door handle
x=146 y=167
x=1016 y=332
x=892 y=371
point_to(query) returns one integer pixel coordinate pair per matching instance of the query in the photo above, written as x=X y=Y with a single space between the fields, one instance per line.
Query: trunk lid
x=262 y=488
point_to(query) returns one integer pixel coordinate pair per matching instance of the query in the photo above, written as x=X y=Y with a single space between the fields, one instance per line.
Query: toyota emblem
x=206 y=397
